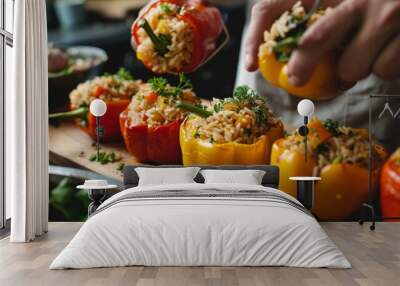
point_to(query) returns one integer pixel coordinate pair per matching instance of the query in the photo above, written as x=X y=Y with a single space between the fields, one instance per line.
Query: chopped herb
x=244 y=96
x=165 y=8
x=158 y=85
x=200 y=111
x=124 y=74
x=337 y=160
x=196 y=133
x=120 y=167
x=104 y=158
x=211 y=140
x=322 y=148
x=245 y=93
x=217 y=107
x=332 y=126
x=285 y=46
x=160 y=42
x=161 y=87
x=183 y=84
x=261 y=114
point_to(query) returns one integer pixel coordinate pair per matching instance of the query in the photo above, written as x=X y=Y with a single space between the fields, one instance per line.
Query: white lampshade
x=98 y=107
x=305 y=107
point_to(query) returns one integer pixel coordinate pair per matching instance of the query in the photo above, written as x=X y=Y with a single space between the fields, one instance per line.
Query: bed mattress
x=201 y=225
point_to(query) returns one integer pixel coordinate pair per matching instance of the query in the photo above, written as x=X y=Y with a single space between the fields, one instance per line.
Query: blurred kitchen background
x=105 y=24
x=89 y=38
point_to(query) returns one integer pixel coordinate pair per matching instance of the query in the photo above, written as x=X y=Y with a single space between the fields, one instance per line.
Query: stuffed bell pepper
x=236 y=130
x=115 y=90
x=337 y=154
x=150 y=124
x=172 y=36
x=390 y=187
x=275 y=52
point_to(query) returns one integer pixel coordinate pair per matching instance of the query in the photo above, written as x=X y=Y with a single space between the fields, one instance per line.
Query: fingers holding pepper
x=369 y=35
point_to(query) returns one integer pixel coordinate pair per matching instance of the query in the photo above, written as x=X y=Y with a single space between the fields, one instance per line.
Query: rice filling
x=166 y=25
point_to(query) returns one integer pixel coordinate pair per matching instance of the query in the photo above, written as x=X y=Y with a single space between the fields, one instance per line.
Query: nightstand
x=305 y=190
x=97 y=192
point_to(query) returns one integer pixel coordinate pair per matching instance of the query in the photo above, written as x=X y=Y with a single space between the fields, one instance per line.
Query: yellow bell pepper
x=321 y=85
x=342 y=189
x=200 y=152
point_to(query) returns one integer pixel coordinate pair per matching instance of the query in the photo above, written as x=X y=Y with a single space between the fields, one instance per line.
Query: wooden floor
x=375 y=257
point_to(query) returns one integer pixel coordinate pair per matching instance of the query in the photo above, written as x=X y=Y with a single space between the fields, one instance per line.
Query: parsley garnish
x=165 y=8
x=104 y=158
x=122 y=74
x=332 y=126
x=244 y=95
x=261 y=114
x=120 y=167
x=161 y=87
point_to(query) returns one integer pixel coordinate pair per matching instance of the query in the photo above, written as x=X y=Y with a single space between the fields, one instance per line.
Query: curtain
x=27 y=124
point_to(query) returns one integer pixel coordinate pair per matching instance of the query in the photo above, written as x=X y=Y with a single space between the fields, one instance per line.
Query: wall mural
x=159 y=88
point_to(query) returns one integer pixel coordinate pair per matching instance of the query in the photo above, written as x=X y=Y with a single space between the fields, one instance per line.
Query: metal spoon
x=312 y=11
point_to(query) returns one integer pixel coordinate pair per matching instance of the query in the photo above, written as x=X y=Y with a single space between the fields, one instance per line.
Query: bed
x=197 y=224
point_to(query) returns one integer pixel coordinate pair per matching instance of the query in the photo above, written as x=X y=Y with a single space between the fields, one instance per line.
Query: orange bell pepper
x=343 y=187
x=390 y=186
x=275 y=53
x=323 y=83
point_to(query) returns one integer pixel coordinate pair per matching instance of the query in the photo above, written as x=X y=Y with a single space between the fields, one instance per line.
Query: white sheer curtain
x=27 y=124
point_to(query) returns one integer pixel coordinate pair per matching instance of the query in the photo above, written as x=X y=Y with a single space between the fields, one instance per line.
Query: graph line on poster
x=388 y=109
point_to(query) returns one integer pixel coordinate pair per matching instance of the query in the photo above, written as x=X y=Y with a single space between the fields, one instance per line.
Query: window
x=6 y=43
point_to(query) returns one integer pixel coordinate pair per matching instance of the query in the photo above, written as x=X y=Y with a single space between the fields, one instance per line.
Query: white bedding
x=189 y=231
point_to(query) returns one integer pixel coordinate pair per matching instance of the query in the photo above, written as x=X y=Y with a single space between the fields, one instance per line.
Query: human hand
x=371 y=49
x=369 y=39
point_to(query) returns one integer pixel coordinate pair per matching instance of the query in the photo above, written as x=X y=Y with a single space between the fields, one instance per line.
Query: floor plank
x=375 y=257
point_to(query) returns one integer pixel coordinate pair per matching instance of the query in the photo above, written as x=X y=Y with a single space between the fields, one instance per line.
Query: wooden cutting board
x=69 y=145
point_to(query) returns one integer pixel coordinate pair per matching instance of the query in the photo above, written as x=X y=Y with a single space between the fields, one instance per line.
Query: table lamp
x=305 y=108
x=98 y=108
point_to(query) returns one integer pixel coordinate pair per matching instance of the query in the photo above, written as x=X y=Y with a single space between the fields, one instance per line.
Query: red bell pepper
x=158 y=145
x=206 y=22
x=390 y=186
x=110 y=120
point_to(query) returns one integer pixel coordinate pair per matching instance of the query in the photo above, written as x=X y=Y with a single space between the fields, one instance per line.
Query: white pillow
x=248 y=177
x=165 y=176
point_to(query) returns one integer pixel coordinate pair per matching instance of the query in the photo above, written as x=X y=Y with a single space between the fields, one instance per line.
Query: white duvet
x=203 y=231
